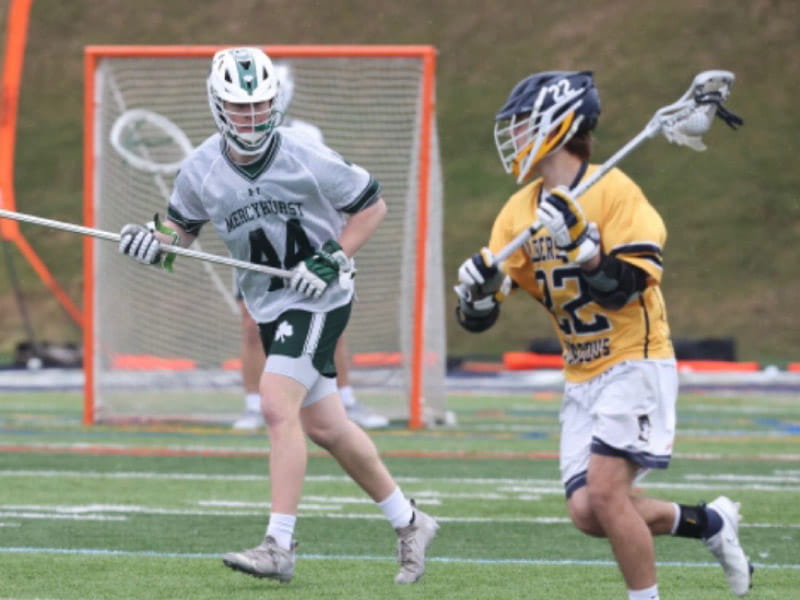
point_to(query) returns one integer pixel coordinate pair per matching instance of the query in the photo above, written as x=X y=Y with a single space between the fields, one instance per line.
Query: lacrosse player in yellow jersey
x=596 y=266
x=279 y=198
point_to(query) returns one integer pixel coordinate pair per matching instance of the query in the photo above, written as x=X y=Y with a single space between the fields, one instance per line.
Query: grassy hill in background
x=733 y=212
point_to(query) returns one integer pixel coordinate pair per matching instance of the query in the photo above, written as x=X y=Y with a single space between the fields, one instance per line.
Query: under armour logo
x=284 y=331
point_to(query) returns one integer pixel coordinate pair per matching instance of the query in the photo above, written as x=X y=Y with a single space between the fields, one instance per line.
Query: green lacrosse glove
x=313 y=276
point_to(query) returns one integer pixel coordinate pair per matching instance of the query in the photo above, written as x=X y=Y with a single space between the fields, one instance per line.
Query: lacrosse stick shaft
x=114 y=237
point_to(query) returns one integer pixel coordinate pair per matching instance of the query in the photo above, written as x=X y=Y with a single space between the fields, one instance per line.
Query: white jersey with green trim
x=274 y=211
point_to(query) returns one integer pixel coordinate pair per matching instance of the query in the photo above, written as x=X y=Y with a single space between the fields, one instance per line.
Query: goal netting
x=165 y=346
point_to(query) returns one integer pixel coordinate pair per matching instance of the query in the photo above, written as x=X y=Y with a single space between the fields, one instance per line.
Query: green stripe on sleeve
x=366 y=198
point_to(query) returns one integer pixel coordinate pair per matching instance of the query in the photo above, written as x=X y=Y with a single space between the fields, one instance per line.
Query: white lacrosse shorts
x=627 y=411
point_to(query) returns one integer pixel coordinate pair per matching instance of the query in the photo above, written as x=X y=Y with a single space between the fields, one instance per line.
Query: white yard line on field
x=501 y=485
x=363 y=557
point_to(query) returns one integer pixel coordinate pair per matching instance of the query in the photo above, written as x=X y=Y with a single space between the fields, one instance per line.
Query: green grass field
x=145 y=513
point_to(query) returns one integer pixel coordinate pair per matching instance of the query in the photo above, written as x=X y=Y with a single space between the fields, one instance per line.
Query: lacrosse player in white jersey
x=252 y=355
x=278 y=198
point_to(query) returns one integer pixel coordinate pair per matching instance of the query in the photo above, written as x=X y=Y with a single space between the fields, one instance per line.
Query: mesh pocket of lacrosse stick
x=149 y=141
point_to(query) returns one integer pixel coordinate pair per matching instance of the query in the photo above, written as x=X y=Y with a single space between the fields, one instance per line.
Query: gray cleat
x=724 y=545
x=412 y=542
x=267 y=559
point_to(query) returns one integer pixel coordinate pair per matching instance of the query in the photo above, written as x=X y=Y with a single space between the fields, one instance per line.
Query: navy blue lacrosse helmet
x=542 y=113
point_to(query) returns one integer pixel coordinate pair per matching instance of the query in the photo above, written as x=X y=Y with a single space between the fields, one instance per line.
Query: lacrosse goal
x=165 y=346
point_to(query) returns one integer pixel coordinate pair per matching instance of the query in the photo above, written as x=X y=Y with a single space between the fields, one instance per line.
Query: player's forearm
x=360 y=227
x=184 y=239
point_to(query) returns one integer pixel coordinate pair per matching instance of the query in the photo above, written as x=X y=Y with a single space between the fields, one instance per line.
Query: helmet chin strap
x=242 y=155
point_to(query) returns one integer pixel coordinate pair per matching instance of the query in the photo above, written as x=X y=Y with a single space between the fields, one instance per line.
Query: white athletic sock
x=281 y=527
x=252 y=402
x=676 y=519
x=397 y=508
x=650 y=593
x=347 y=395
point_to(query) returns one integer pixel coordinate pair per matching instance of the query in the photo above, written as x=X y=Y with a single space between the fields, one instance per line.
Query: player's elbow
x=476 y=322
x=614 y=282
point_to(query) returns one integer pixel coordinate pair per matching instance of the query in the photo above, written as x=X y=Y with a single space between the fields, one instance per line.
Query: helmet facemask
x=242 y=87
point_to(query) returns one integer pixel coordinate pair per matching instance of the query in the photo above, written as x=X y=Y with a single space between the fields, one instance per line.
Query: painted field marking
x=526 y=483
x=363 y=557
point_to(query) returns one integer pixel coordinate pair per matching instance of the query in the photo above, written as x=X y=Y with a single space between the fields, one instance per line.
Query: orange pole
x=38 y=266
x=423 y=185
x=19 y=14
x=16 y=35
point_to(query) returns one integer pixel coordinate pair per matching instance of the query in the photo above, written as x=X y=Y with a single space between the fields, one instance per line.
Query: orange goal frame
x=427 y=56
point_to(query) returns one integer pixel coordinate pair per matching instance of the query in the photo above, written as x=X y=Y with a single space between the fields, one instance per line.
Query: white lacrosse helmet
x=284 y=74
x=242 y=86
x=542 y=113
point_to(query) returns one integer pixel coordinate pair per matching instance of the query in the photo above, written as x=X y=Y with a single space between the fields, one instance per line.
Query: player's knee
x=582 y=516
x=323 y=435
x=273 y=418
x=334 y=435
x=278 y=415
x=601 y=495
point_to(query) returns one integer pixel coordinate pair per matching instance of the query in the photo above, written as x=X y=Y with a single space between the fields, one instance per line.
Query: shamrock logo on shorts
x=284 y=331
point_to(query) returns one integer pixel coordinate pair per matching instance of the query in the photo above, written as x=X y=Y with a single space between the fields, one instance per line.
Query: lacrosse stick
x=114 y=237
x=684 y=123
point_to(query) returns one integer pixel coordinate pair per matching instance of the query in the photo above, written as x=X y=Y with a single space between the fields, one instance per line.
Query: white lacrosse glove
x=312 y=276
x=564 y=219
x=140 y=243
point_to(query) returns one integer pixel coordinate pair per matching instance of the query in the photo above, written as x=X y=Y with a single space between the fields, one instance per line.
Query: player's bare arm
x=185 y=239
x=360 y=227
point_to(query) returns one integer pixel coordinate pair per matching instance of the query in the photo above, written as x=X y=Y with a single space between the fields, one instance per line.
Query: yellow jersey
x=592 y=338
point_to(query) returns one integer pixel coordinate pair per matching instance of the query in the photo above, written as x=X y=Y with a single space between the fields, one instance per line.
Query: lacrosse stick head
x=686 y=121
x=149 y=141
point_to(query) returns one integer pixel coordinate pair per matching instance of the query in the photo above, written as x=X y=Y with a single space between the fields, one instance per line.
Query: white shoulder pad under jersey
x=275 y=211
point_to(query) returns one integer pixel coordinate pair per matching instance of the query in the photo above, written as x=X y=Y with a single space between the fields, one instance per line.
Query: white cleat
x=267 y=559
x=724 y=545
x=412 y=543
x=249 y=421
